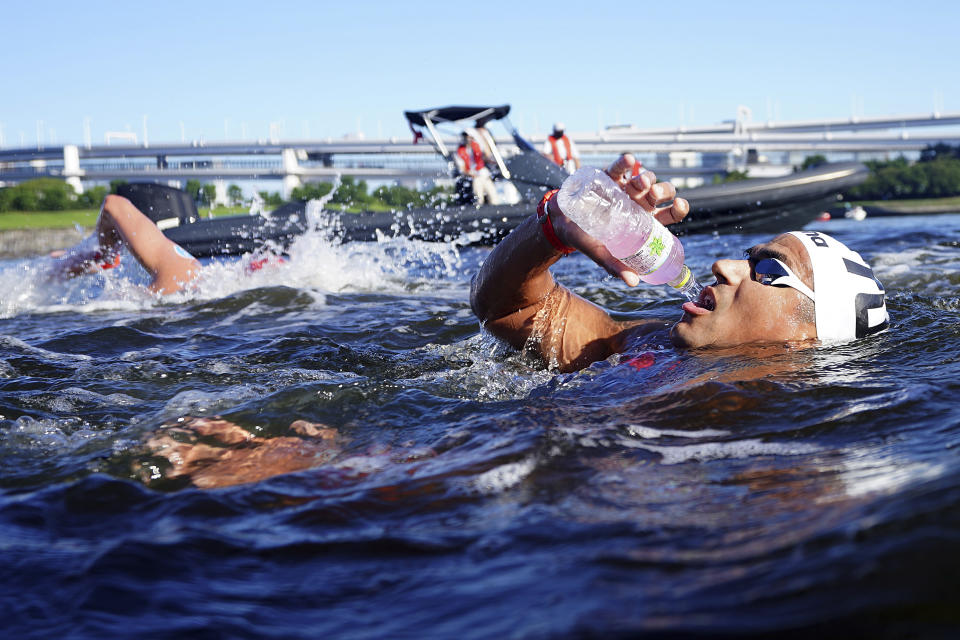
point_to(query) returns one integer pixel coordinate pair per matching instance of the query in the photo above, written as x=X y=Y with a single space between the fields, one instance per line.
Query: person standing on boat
x=469 y=156
x=471 y=163
x=800 y=286
x=486 y=190
x=559 y=148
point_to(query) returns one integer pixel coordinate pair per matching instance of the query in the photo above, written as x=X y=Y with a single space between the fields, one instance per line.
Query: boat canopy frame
x=458 y=116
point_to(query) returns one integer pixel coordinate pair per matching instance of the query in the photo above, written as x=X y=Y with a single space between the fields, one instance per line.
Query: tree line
x=354 y=193
x=936 y=174
x=51 y=194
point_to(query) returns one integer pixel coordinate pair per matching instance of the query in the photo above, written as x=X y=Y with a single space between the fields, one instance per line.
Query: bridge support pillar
x=291 y=172
x=71 y=167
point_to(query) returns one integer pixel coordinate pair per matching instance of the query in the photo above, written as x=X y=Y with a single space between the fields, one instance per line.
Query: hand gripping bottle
x=600 y=207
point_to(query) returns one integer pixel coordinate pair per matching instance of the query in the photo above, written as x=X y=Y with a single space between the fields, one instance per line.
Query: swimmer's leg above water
x=120 y=225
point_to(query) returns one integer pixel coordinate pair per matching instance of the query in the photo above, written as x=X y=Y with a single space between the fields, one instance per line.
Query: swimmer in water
x=119 y=225
x=798 y=287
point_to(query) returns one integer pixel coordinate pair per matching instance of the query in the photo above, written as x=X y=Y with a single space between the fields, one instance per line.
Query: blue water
x=467 y=492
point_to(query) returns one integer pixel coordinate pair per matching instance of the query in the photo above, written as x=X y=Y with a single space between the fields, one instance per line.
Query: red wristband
x=544 y=219
x=107 y=264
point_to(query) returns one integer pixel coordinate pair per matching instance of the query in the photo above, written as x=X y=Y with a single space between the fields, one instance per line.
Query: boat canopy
x=527 y=166
x=481 y=115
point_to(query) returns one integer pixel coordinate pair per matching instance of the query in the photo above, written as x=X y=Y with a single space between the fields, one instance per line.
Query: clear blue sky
x=328 y=68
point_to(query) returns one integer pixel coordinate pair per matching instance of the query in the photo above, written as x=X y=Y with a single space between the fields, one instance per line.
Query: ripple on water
x=721 y=491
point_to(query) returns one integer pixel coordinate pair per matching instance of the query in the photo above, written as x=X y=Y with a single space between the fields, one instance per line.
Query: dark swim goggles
x=771 y=271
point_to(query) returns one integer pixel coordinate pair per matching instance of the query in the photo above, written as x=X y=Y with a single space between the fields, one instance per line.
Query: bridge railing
x=29 y=173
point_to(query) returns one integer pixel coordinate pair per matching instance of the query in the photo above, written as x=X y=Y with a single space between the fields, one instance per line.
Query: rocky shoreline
x=22 y=243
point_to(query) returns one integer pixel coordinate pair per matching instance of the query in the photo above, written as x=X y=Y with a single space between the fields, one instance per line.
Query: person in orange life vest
x=470 y=162
x=560 y=149
x=469 y=156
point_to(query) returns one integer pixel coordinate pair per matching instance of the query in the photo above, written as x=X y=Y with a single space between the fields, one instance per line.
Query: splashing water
x=316 y=260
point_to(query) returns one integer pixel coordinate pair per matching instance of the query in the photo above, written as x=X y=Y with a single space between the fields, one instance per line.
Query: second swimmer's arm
x=171 y=267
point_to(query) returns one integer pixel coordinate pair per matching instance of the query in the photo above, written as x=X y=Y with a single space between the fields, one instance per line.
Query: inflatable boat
x=762 y=205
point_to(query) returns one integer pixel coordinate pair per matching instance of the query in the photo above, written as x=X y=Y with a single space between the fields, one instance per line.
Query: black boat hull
x=762 y=205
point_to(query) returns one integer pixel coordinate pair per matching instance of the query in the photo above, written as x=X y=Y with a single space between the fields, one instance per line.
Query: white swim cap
x=850 y=301
x=558 y=126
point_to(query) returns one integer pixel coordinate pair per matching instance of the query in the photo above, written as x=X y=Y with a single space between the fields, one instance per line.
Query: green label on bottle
x=654 y=251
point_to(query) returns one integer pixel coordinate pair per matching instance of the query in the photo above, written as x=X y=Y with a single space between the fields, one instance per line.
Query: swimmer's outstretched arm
x=514 y=294
x=121 y=223
x=213 y=452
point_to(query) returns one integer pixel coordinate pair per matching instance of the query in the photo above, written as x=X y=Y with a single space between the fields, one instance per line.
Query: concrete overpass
x=295 y=161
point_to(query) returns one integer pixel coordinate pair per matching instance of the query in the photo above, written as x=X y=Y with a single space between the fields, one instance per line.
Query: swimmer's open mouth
x=706 y=300
x=704 y=304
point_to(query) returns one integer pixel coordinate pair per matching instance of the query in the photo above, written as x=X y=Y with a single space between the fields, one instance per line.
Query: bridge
x=685 y=152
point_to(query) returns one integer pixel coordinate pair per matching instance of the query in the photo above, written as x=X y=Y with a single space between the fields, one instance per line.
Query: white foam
x=318 y=263
x=55 y=435
x=76 y=394
x=504 y=477
x=706 y=451
x=916 y=269
x=494 y=371
x=651 y=433
x=364 y=465
x=28 y=286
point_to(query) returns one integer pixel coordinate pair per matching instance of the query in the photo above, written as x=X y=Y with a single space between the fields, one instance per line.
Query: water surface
x=469 y=493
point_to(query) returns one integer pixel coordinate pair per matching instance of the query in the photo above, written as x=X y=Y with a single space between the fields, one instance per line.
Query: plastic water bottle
x=600 y=207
